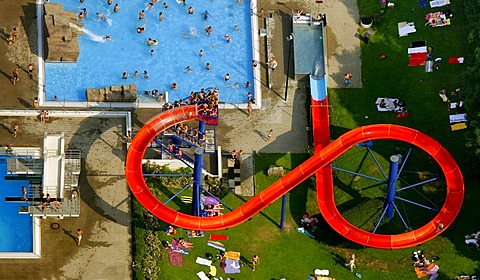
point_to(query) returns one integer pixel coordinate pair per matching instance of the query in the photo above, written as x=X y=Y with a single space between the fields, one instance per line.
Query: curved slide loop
x=446 y=215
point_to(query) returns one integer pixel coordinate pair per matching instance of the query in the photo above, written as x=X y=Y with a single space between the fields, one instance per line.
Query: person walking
x=16 y=76
x=16 y=128
x=347 y=78
x=255 y=261
x=351 y=263
x=249 y=108
x=269 y=135
x=79 y=236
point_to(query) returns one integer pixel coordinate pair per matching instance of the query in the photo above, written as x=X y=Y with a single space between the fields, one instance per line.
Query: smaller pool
x=16 y=230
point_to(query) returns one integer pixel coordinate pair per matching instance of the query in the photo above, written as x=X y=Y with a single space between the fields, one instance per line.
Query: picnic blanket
x=175 y=258
x=216 y=245
x=457 y=118
x=218 y=237
x=405 y=28
x=456 y=60
x=389 y=104
x=417 y=59
x=232 y=266
x=203 y=261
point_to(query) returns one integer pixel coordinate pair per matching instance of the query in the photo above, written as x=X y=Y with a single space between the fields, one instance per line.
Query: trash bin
x=366 y=22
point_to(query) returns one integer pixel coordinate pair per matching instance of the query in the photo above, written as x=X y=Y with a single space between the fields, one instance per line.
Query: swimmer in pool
x=102 y=16
x=160 y=16
x=227 y=38
x=207 y=66
x=235 y=85
x=152 y=42
x=188 y=69
x=190 y=10
x=140 y=29
x=107 y=37
x=205 y=16
x=209 y=30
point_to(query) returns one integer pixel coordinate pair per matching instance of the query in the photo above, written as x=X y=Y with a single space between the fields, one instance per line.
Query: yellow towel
x=458 y=126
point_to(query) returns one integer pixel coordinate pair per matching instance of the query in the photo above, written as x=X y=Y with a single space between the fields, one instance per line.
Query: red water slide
x=282 y=186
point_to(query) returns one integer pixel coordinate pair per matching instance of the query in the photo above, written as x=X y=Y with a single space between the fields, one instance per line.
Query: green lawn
x=287 y=253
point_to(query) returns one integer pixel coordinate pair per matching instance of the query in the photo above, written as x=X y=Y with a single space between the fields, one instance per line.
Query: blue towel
x=423 y=3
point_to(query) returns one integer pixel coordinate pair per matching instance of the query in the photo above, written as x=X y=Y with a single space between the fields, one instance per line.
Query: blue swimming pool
x=16 y=230
x=180 y=38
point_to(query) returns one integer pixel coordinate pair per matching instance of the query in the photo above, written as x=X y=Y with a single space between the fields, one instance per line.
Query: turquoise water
x=15 y=230
x=101 y=63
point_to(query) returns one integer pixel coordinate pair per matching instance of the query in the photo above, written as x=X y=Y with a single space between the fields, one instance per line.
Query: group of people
x=473 y=239
x=457 y=105
x=44 y=116
x=424 y=266
x=237 y=155
x=186 y=132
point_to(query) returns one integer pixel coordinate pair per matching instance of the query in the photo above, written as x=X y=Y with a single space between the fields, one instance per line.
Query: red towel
x=175 y=258
x=218 y=237
x=456 y=60
x=417 y=59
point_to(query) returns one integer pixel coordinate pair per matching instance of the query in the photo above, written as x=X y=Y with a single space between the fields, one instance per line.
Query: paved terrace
x=105 y=217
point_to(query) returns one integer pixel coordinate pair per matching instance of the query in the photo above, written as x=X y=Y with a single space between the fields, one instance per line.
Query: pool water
x=16 y=229
x=180 y=38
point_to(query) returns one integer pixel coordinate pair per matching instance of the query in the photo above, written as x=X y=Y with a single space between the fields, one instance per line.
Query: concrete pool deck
x=105 y=217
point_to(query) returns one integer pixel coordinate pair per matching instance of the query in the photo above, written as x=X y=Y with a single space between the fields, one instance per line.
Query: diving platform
x=52 y=171
x=53 y=164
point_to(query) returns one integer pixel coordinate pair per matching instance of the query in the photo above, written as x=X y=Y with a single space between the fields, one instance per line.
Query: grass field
x=289 y=254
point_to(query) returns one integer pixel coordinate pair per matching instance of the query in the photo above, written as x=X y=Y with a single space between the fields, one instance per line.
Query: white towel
x=203 y=261
x=202 y=276
x=458 y=118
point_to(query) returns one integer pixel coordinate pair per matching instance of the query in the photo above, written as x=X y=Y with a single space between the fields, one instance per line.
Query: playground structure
x=319 y=164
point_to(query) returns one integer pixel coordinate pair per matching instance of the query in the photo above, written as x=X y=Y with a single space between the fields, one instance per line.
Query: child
x=351 y=263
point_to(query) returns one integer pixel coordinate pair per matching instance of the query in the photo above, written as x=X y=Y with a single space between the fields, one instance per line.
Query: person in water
x=205 y=15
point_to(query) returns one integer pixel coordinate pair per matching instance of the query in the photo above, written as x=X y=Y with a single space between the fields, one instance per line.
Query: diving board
x=53 y=164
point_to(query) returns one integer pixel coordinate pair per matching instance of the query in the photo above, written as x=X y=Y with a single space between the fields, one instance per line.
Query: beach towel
x=405 y=28
x=175 y=258
x=429 y=66
x=190 y=235
x=306 y=232
x=232 y=266
x=216 y=245
x=218 y=237
x=423 y=3
x=458 y=126
x=456 y=60
x=421 y=272
x=389 y=104
x=232 y=255
x=417 y=59
x=213 y=271
x=457 y=118
x=439 y=3
x=203 y=261
x=421 y=49
x=202 y=276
